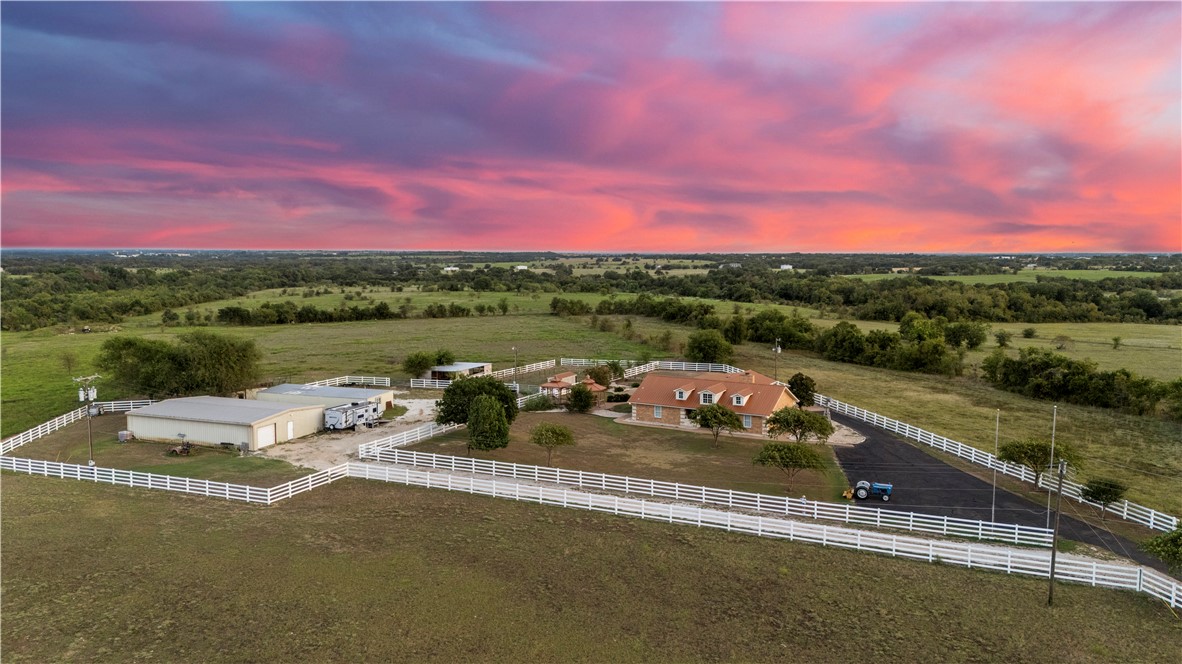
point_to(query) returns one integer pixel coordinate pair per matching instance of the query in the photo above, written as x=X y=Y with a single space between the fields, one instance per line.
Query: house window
x=681 y=395
x=657 y=412
x=746 y=421
x=738 y=401
x=707 y=398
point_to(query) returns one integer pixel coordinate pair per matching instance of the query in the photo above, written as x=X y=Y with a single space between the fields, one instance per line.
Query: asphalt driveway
x=923 y=483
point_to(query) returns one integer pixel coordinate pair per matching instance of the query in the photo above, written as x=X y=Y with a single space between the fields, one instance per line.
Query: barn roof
x=221 y=410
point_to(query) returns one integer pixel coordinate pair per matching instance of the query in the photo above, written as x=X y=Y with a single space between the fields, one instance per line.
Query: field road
x=923 y=483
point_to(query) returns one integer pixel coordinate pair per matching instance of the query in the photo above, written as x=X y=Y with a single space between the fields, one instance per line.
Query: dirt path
x=329 y=449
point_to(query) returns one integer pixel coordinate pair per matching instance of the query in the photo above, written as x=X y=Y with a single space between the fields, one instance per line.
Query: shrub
x=538 y=402
x=1029 y=333
x=617 y=398
x=580 y=400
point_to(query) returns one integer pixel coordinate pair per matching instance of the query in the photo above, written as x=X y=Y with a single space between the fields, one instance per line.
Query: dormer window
x=707 y=397
x=680 y=394
x=738 y=400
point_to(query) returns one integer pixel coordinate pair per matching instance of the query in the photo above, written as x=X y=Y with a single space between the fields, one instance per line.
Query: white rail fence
x=632 y=372
x=1124 y=509
x=529 y=368
x=696 y=366
x=409 y=437
x=132 y=478
x=429 y=384
x=63 y=421
x=846 y=513
x=1011 y=561
x=208 y=488
x=379 y=381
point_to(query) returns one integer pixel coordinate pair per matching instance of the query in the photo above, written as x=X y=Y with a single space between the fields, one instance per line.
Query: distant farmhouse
x=668 y=399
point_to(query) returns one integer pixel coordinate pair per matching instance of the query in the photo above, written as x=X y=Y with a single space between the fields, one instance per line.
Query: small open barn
x=327 y=396
x=216 y=420
x=457 y=370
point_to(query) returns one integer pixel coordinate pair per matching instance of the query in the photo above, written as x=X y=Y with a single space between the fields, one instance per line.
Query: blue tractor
x=863 y=490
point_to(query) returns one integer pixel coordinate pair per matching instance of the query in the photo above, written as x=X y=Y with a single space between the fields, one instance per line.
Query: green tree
x=843 y=342
x=803 y=387
x=1035 y=454
x=601 y=374
x=717 y=418
x=1167 y=547
x=1116 y=341
x=216 y=364
x=550 y=436
x=735 y=330
x=453 y=407
x=417 y=364
x=503 y=305
x=1003 y=338
x=1103 y=491
x=444 y=356
x=580 y=399
x=799 y=424
x=138 y=366
x=170 y=318
x=790 y=458
x=488 y=429
x=708 y=346
x=1029 y=333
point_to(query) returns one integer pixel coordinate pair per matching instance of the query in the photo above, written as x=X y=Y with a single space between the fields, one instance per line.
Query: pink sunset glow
x=661 y=127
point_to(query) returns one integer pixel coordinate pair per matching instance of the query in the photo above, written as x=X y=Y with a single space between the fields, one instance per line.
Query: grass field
x=603 y=445
x=1143 y=452
x=363 y=571
x=1028 y=276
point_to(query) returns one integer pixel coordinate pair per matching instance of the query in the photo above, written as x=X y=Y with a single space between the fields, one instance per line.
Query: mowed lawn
x=365 y=571
x=69 y=445
x=603 y=445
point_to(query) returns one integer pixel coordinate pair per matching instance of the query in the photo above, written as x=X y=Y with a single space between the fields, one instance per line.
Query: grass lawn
x=364 y=571
x=603 y=445
x=69 y=446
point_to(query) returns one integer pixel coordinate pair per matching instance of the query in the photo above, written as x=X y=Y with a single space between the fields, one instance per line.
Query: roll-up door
x=265 y=436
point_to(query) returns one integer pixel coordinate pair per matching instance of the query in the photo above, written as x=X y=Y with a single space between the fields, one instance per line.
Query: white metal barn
x=326 y=395
x=215 y=420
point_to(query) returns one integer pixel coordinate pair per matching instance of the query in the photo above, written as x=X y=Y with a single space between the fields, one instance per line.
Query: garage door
x=265 y=436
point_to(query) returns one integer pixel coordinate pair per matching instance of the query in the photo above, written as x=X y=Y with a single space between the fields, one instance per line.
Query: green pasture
x=603 y=445
x=1027 y=276
x=364 y=571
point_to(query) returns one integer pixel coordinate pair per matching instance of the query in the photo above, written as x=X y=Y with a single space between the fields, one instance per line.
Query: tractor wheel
x=886 y=497
x=861 y=493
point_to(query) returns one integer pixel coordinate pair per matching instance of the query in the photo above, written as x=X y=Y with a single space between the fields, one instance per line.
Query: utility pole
x=1055 y=535
x=996 y=434
x=1051 y=463
x=87 y=394
x=776 y=350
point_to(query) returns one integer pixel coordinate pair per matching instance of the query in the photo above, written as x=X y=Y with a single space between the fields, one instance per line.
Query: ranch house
x=668 y=399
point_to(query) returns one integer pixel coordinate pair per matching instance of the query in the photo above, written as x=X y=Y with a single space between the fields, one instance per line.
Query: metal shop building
x=327 y=396
x=214 y=420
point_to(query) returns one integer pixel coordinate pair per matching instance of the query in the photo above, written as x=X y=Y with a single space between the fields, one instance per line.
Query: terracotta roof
x=743 y=392
x=592 y=385
x=715 y=389
x=556 y=385
x=658 y=390
x=565 y=374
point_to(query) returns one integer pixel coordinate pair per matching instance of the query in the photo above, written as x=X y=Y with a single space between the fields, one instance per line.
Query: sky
x=606 y=127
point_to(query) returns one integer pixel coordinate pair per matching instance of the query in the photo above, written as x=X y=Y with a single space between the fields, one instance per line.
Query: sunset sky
x=666 y=127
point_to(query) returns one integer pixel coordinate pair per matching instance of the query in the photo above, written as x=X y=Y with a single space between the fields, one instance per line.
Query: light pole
x=996 y=433
x=776 y=350
x=1055 y=536
x=1054 y=420
x=86 y=395
x=516 y=382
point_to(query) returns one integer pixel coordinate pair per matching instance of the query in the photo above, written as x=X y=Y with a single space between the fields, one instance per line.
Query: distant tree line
x=40 y=290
